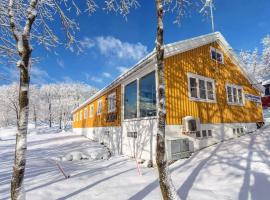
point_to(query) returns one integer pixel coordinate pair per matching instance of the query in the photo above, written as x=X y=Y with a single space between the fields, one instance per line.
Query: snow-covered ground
x=235 y=169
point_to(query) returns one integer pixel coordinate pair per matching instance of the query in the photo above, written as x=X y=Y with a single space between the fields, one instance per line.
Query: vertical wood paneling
x=198 y=61
x=101 y=120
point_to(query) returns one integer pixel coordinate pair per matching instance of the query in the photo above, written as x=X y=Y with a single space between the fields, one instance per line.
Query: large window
x=99 y=108
x=130 y=100
x=148 y=95
x=201 y=88
x=111 y=102
x=234 y=94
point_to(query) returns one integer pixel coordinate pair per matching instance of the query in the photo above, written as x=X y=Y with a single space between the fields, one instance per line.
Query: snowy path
x=235 y=169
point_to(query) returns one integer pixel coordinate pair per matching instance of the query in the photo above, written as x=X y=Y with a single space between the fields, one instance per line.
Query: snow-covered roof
x=267 y=82
x=176 y=48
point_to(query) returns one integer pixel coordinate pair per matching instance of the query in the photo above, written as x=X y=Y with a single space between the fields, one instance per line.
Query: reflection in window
x=148 y=95
x=193 y=87
x=130 y=101
x=202 y=89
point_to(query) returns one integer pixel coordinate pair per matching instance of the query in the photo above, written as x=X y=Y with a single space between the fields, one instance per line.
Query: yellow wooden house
x=209 y=98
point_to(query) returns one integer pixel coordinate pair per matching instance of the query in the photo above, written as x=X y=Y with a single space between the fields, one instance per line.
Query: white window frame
x=86 y=113
x=205 y=79
x=111 y=99
x=217 y=51
x=99 y=107
x=237 y=87
x=91 y=110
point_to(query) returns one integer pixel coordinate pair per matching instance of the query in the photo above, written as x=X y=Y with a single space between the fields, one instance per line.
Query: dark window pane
x=214 y=55
x=210 y=90
x=130 y=101
x=204 y=133
x=229 y=90
x=209 y=133
x=193 y=87
x=198 y=134
x=267 y=90
x=240 y=97
x=192 y=126
x=202 y=89
x=148 y=95
x=234 y=95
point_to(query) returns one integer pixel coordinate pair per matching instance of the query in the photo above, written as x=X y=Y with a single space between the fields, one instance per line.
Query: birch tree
x=180 y=7
x=27 y=22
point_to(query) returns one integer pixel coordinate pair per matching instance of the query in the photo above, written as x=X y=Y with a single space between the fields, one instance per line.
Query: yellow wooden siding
x=198 y=61
x=100 y=120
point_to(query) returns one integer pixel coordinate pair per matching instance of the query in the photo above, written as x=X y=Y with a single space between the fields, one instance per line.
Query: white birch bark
x=165 y=182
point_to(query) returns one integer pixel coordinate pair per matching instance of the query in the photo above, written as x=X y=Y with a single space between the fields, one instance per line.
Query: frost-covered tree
x=251 y=62
x=9 y=104
x=24 y=23
x=265 y=69
x=258 y=64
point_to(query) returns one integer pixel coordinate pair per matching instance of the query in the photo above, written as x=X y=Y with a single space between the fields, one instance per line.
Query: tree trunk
x=50 y=114
x=60 y=121
x=35 y=117
x=17 y=189
x=166 y=186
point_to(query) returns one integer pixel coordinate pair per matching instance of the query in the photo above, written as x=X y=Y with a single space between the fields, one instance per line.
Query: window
x=192 y=125
x=74 y=117
x=193 y=87
x=111 y=102
x=99 y=108
x=130 y=101
x=81 y=115
x=91 y=113
x=234 y=131
x=85 y=113
x=217 y=55
x=267 y=90
x=201 y=88
x=148 y=95
x=209 y=133
x=242 y=130
x=234 y=94
x=198 y=134
x=204 y=133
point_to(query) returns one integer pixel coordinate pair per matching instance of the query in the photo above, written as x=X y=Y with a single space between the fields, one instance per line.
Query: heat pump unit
x=191 y=124
x=177 y=148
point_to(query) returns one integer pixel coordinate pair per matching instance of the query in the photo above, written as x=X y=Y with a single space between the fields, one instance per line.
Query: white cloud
x=96 y=79
x=106 y=74
x=87 y=43
x=110 y=46
x=113 y=47
x=60 y=63
x=122 y=69
x=93 y=78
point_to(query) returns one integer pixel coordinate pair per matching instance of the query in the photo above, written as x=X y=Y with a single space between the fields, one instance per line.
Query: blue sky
x=112 y=44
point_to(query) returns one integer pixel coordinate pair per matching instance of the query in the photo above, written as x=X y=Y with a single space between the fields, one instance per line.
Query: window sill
x=202 y=100
x=216 y=61
x=140 y=119
x=235 y=104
